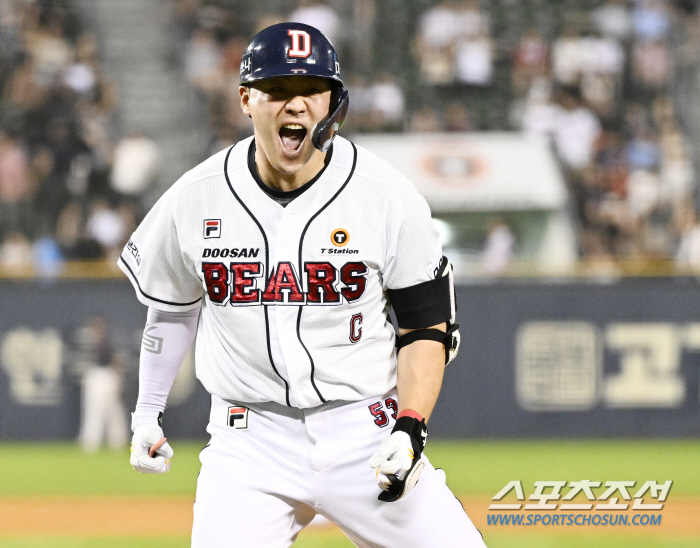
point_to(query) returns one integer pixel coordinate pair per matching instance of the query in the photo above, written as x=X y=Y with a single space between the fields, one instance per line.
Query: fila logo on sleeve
x=301 y=44
x=238 y=417
x=212 y=228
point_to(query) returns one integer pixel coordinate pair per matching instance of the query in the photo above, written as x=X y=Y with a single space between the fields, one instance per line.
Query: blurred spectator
x=50 y=50
x=576 y=131
x=388 y=103
x=103 y=415
x=688 y=251
x=202 y=60
x=454 y=44
x=320 y=16
x=360 y=109
x=457 y=117
x=499 y=247
x=474 y=60
x=602 y=67
x=643 y=193
x=567 y=57
x=438 y=26
x=530 y=60
x=637 y=120
x=22 y=92
x=677 y=173
x=183 y=25
x=71 y=236
x=15 y=185
x=80 y=78
x=425 y=120
x=613 y=20
x=651 y=66
x=135 y=168
x=650 y=20
x=539 y=113
x=108 y=228
x=16 y=253
x=643 y=152
x=611 y=164
x=48 y=259
x=470 y=21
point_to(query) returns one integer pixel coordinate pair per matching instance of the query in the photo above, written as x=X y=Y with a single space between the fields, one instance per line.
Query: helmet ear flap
x=323 y=133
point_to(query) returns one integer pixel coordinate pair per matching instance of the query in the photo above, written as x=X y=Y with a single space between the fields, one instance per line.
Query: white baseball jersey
x=294 y=305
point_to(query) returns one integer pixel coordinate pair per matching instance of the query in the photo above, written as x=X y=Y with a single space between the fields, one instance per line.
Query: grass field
x=39 y=481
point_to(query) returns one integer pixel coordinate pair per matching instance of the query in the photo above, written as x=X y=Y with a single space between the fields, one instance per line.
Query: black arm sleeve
x=422 y=305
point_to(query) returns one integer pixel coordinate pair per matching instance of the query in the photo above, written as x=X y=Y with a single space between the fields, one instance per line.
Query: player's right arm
x=166 y=341
x=163 y=273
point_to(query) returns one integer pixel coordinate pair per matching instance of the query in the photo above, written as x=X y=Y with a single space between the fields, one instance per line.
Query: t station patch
x=212 y=228
x=340 y=237
x=238 y=417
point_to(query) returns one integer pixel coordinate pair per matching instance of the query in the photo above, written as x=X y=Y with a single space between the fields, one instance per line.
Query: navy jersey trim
x=301 y=245
x=267 y=265
x=138 y=285
x=283 y=197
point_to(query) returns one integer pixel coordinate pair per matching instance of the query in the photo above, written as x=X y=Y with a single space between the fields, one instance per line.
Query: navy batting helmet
x=295 y=49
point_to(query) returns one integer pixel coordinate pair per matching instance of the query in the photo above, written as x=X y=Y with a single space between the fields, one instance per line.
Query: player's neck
x=287 y=182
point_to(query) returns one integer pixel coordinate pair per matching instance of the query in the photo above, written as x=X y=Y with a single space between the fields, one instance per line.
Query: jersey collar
x=280 y=196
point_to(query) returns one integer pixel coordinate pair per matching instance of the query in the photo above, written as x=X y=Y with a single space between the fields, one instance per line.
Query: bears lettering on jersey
x=240 y=283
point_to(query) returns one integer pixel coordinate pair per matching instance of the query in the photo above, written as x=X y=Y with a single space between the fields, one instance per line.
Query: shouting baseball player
x=284 y=254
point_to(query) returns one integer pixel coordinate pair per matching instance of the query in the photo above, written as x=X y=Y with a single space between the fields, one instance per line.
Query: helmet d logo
x=301 y=44
x=340 y=237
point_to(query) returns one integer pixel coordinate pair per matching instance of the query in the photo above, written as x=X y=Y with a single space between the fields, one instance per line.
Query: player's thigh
x=428 y=516
x=236 y=514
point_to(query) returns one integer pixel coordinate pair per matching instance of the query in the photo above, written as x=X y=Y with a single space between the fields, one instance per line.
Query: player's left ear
x=244 y=92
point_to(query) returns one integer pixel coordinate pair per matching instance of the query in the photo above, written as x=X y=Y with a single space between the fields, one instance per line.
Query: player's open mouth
x=292 y=136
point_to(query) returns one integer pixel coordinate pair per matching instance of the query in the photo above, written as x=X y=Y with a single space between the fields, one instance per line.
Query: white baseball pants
x=258 y=487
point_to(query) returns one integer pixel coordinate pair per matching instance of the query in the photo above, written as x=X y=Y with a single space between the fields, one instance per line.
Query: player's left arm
x=420 y=370
x=420 y=287
x=423 y=353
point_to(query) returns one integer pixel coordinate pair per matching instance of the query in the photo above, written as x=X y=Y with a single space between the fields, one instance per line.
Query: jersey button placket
x=286 y=250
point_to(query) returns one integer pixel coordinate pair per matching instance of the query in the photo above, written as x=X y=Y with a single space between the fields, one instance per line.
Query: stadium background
x=557 y=143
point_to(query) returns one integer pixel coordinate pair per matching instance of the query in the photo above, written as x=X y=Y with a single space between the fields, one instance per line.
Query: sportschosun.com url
x=573 y=520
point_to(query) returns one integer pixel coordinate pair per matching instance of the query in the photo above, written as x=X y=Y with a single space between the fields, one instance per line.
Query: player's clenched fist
x=398 y=460
x=150 y=453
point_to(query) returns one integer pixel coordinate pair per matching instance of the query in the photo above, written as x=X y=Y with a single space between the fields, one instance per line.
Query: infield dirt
x=107 y=516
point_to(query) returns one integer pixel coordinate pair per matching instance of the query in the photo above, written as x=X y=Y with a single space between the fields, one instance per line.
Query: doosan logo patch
x=238 y=417
x=212 y=228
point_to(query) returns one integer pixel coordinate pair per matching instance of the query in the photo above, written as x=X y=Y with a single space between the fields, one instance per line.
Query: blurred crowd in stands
x=67 y=180
x=595 y=76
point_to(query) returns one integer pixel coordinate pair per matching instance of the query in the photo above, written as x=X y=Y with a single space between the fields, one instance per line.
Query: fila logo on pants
x=241 y=284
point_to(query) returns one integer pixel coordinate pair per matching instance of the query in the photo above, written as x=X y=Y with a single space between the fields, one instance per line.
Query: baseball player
x=284 y=254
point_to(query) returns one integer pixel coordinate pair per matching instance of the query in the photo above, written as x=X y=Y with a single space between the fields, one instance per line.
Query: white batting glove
x=398 y=462
x=150 y=453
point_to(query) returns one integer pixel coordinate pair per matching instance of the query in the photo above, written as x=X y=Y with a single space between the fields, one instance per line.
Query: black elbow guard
x=449 y=338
